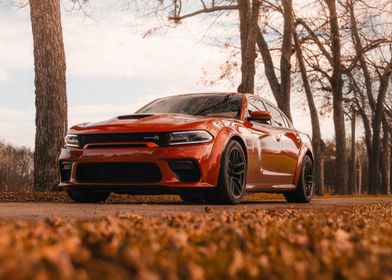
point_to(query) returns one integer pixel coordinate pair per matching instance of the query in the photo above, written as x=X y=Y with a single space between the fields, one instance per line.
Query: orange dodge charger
x=210 y=147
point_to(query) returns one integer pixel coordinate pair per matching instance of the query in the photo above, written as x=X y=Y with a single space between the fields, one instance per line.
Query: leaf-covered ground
x=114 y=198
x=349 y=243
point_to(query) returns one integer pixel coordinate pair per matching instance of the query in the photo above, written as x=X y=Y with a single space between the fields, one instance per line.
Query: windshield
x=228 y=106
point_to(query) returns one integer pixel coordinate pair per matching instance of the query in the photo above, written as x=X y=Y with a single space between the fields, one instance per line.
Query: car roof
x=206 y=93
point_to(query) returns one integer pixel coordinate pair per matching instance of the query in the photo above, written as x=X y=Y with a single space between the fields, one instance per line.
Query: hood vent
x=134 y=117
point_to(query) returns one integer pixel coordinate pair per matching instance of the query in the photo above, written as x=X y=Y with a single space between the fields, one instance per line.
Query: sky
x=112 y=69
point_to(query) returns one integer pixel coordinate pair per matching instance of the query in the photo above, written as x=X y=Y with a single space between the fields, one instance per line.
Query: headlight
x=71 y=140
x=189 y=137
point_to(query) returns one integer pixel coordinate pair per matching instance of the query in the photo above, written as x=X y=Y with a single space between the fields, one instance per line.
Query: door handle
x=278 y=137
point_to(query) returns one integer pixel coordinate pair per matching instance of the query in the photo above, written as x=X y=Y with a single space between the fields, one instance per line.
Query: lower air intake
x=119 y=172
x=185 y=170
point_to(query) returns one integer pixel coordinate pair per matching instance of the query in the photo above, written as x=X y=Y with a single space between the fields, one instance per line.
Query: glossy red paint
x=274 y=153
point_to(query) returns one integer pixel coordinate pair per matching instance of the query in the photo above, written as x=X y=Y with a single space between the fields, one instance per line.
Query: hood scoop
x=134 y=117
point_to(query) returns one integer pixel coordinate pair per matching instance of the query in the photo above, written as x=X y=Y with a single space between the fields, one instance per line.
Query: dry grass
x=350 y=243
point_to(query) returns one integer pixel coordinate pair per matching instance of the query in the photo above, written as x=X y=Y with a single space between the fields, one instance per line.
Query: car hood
x=147 y=123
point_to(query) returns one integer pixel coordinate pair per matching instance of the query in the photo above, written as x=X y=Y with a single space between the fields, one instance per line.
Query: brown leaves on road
x=352 y=243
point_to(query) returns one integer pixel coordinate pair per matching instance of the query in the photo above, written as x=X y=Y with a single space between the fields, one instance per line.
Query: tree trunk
x=390 y=166
x=385 y=160
x=338 y=112
x=317 y=142
x=374 y=164
x=281 y=90
x=285 y=60
x=50 y=91
x=249 y=15
x=352 y=174
x=359 y=184
x=360 y=52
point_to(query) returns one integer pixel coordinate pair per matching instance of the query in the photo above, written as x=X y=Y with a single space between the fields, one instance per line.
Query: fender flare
x=303 y=152
x=220 y=143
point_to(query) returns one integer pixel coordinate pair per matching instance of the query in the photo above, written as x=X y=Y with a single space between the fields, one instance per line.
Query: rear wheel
x=232 y=176
x=87 y=196
x=305 y=188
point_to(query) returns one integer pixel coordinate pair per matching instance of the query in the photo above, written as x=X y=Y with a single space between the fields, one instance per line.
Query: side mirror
x=263 y=116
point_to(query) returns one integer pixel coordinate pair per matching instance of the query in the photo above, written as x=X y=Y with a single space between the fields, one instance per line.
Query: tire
x=305 y=188
x=232 y=176
x=88 y=196
x=192 y=198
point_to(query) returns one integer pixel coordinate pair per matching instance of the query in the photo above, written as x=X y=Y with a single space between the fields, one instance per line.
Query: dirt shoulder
x=36 y=206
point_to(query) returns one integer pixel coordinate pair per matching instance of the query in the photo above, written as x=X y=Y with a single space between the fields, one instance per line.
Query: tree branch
x=204 y=11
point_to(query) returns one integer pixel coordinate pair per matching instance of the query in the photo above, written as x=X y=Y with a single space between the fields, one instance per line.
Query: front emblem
x=154 y=138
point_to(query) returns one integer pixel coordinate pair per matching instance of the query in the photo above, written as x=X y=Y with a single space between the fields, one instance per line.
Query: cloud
x=94 y=113
x=3 y=75
x=16 y=52
x=111 y=47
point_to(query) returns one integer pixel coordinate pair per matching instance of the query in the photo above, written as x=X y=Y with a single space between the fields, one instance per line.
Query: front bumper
x=201 y=154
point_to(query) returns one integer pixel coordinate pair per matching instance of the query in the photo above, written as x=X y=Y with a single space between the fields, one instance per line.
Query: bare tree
x=374 y=168
x=280 y=89
x=249 y=15
x=248 y=21
x=50 y=91
x=16 y=168
x=375 y=73
x=385 y=158
x=327 y=63
x=353 y=158
x=317 y=142
x=337 y=91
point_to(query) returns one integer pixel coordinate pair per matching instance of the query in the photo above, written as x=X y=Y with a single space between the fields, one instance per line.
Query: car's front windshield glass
x=221 y=105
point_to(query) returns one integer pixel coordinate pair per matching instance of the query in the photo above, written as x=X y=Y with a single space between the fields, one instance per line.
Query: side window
x=256 y=105
x=277 y=118
x=288 y=123
x=251 y=107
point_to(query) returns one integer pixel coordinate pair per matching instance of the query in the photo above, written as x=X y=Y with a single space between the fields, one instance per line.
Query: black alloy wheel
x=232 y=177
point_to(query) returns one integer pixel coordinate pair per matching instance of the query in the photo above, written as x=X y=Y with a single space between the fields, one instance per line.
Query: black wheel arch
x=310 y=154
x=242 y=143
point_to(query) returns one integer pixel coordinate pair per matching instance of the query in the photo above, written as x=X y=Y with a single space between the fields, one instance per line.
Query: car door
x=289 y=143
x=264 y=167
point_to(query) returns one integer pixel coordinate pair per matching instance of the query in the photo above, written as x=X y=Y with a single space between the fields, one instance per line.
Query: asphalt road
x=43 y=210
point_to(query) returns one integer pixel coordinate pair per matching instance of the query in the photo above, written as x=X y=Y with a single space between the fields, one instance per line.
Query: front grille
x=112 y=146
x=118 y=172
x=160 y=138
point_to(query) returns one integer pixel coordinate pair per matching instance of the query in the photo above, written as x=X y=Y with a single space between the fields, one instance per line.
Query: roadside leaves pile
x=63 y=197
x=353 y=243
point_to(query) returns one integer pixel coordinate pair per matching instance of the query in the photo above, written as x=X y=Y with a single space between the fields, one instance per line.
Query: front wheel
x=87 y=196
x=305 y=188
x=232 y=176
